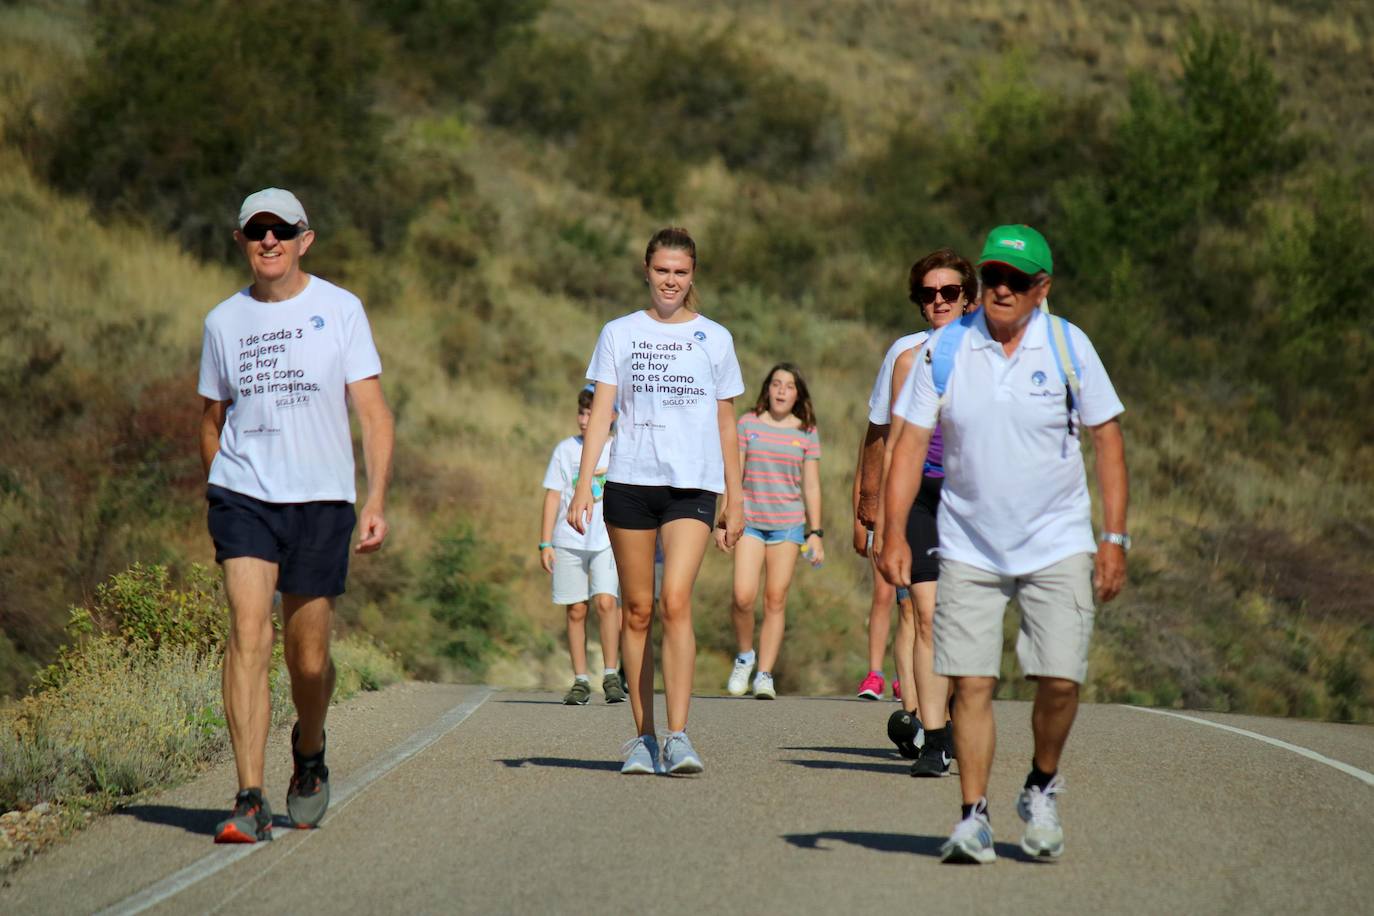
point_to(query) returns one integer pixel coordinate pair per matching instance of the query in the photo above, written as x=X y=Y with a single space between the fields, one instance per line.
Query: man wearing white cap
x=280 y=361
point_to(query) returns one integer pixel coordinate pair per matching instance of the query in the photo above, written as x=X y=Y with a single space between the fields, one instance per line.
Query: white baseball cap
x=278 y=202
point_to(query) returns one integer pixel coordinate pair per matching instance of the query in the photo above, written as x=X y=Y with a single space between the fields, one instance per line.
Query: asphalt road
x=456 y=799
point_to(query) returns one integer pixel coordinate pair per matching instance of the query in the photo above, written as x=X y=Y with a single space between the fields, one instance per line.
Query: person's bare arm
x=548 y=519
x=1109 y=446
x=593 y=442
x=211 y=424
x=871 y=473
x=731 y=524
x=379 y=443
x=860 y=529
x=811 y=501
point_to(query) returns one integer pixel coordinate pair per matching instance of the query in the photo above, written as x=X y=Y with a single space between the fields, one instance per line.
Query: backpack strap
x=1064 y=357
x=942 y=357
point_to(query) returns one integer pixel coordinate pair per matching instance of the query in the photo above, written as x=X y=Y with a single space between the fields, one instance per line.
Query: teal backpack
x=1070 y=369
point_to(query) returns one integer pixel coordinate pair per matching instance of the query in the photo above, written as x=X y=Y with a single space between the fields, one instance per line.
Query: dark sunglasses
x=284 y=232
x=995 y=275
x=948 y=293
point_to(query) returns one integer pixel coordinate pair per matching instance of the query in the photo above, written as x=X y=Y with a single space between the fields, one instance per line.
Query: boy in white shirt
x=582 y=565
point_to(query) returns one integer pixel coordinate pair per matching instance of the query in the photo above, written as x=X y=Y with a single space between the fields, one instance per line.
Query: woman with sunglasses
x=943 y=285
x=673 y=374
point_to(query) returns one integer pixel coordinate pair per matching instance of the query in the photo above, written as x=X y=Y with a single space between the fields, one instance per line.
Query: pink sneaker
x=896 y=690
x=872 y=686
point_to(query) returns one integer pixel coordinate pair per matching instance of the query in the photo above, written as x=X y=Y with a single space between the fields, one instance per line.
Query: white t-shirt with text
x=562 y=476
x=880 y=401
x=284 y=367
x=1015 y=497
x=668 y=378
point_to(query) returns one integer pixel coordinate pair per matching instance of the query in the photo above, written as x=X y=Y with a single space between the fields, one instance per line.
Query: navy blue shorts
x=645 y=508
x=308 y=541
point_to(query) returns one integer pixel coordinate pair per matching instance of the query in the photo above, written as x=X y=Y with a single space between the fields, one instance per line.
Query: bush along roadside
x=133 y=704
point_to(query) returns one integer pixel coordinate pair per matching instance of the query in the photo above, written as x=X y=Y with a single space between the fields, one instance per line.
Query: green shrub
x=186 y=107
x=142 y=607
x=452 y=40
x=474 y=610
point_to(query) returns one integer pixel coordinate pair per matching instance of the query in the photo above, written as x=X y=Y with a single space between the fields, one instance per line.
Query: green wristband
x=543 y=544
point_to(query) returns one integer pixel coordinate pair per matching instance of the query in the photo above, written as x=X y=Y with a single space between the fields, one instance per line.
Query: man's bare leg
x=250 y=584
x=309 y=622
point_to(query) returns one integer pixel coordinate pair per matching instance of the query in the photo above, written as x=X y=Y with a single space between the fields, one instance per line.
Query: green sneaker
x=610 y=686
x=250 y=822
x=580 y=694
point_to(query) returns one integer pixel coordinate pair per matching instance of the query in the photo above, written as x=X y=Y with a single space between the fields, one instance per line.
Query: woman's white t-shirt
x=284 y=368
x=562 y=476
x=668 y=378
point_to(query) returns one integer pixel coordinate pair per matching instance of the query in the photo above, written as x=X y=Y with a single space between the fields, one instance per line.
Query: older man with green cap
x=1013 y=389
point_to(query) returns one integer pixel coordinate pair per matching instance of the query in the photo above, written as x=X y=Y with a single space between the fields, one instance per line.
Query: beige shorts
x=579 y=574
x=1056 y=619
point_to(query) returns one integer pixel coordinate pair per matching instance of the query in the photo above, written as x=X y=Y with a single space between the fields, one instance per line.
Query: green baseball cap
x=1018 y=246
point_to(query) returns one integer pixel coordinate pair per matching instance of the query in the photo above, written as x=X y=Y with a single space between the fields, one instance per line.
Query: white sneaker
x=739 y=678
x=763 y=687
x=1039 y=808
x=971 y=841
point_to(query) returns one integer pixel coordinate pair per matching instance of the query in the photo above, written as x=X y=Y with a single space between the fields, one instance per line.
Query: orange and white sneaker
x=250 y=822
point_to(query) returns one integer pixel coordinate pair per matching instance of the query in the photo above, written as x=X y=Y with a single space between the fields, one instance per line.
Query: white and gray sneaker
x=1039 y=808
x=641 y=756
x=679 y=757
x=739 y=677
x=763 y=687
x=971 y=841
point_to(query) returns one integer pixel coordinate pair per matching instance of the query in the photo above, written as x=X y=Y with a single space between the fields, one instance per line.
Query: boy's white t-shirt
x=668 y=378
x=880 y=401
x=562 y=476
x=284 y=367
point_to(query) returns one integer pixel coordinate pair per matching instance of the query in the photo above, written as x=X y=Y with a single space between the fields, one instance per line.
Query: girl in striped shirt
x=781 y=453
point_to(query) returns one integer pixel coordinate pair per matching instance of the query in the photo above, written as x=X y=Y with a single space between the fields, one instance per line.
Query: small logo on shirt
x=317 y=321
x=797 y=443
x=1038 y=379
x=753 y=436
x=262 y=430
x=700 y=335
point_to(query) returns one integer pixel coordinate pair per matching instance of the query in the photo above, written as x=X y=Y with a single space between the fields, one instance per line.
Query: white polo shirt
x=880 y=401
x=1015 y=498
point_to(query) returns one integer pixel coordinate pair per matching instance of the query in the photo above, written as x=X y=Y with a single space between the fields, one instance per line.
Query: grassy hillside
x=1200 y=181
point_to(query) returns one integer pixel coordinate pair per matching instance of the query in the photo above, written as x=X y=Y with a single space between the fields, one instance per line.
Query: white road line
x=1363 y=776
x=222 y=858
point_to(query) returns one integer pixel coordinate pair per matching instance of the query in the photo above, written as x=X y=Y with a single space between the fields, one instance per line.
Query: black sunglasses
x=995 y=275
x=949 y=293
x=284 y=232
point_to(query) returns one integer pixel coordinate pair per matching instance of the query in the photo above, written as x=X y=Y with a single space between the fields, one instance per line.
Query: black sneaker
x=308 y=795
x=250 y=822
x=934 y=761
x=905 y=731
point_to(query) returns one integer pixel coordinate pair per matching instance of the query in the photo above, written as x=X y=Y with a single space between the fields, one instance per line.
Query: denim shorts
x=794 y=535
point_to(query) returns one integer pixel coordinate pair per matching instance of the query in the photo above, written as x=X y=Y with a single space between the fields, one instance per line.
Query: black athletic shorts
x=921 y=533
x=308 y=541
x=642 y=508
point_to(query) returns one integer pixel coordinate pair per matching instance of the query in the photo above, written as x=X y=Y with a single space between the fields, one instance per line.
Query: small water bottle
x=810 y=555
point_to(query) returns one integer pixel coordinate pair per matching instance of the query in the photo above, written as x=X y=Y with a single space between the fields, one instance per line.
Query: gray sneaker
x=679 y=757
x=610 y=686
x=307 y=796
x=1039 y=808
x=971 y=841
x=641 y=756
x=579 y=694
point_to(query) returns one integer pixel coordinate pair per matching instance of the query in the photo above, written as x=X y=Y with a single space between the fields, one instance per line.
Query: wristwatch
x=817 y=532
x=1121 y=540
